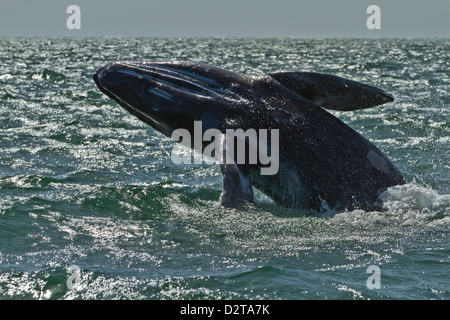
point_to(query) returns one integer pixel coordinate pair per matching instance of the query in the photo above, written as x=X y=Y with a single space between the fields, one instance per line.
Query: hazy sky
x=226 y=18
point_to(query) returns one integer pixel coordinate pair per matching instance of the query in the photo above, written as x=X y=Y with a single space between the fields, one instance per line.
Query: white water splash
x=406 y=205
x=413 y=196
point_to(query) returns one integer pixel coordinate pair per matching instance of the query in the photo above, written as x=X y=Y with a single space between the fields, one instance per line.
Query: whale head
x=168 y=96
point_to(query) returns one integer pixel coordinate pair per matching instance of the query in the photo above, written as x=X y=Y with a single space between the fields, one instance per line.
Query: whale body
x=321 y=160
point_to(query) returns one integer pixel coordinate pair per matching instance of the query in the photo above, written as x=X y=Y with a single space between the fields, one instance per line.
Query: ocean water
x=92 y=207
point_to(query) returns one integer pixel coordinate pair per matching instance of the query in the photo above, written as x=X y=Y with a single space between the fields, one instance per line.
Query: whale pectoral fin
x=333 y=92
x=237 y=187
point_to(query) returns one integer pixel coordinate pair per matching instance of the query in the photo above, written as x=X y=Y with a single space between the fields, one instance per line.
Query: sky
x=227 y=18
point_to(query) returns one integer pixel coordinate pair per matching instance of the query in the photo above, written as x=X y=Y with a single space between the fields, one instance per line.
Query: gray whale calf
x=322 y=161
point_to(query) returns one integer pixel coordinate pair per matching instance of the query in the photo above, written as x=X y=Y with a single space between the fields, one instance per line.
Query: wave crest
x=413 y=196
x=405 y=205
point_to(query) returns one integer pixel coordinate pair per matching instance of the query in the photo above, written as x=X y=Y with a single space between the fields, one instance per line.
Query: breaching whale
x=321 y=159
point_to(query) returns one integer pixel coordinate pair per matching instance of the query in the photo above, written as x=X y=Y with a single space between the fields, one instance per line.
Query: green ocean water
x=85 y=185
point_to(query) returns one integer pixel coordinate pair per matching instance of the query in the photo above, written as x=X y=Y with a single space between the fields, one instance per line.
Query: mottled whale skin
x=322 y=161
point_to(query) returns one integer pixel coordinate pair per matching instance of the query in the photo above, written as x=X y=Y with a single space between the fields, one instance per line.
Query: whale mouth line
x=169 y=83
x=175 y=84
